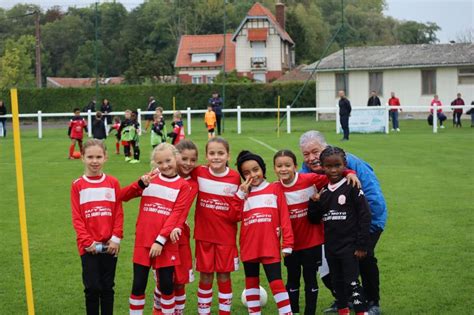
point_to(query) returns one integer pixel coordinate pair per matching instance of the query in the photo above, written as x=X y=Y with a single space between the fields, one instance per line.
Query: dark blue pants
x=344 y=119
x=98 y=273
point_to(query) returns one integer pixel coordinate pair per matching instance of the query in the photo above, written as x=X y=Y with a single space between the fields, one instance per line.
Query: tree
x=17 y=62
x=411 y=32
x=466 y=36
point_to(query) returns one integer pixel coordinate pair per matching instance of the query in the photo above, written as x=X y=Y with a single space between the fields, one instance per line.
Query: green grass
x=426 y=254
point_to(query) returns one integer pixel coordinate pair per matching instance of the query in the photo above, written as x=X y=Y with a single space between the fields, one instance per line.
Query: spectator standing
x=3 y=120
x=457 y=112
x=216 y=102
x=394 y=101
x=471 y=112
x=374 y=100
x=98 y=127
x=439 y=112
x=151 y=107
x=344 y=113
x=90 y=106
x=106 y=108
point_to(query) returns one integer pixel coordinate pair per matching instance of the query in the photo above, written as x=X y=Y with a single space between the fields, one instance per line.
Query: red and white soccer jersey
x=297 y=195
x=265 y=218
x=97 y=213
x=77 y=126
x=161 y=205
x=184 y=272
x=216 y=214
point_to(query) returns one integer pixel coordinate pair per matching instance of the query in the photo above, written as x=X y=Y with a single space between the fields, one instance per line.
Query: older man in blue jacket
x=312 y=143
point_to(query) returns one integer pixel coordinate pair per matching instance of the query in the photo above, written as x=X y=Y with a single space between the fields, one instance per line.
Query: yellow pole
x=174 y=103
x=278 y=117
x=21 y=203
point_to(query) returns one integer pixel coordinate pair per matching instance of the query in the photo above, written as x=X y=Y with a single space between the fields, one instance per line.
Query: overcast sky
x=453 y=16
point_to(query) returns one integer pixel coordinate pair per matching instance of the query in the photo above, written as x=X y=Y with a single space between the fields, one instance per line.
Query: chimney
x=280 y=14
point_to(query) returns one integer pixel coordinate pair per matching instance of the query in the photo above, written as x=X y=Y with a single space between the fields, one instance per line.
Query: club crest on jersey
x=268 y=201
x=341 y=200
x=108 y=196
x=228 y=189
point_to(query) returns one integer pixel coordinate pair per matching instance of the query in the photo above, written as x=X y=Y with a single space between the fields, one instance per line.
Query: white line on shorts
x=263 y=144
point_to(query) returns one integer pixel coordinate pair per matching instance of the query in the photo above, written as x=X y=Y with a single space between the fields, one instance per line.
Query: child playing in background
x=98 y=127
x=210 y=121
x=158 y=129
x=186 y=162
x=346 y=216
x=307 y=251
x=164 y=196
x=97 y=217
x=265 y=218
x=77 y=124
x=215 y=226
x=128 y=134
x=116 y=127
x=178 y=128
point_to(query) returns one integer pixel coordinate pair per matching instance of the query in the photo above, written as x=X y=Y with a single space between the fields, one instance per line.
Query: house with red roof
x=260 y=49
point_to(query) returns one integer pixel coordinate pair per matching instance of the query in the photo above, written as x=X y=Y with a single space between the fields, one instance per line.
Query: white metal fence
x=288 y=110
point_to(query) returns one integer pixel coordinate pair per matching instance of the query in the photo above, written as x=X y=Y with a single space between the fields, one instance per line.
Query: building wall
x=186 y=76
x=406 y=83
x=244 y=51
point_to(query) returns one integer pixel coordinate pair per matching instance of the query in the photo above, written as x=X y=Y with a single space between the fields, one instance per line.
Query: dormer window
x=201 y=58
x=257 y=34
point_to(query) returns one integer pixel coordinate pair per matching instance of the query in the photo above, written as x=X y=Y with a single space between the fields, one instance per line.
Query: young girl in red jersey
x=164 y=196
x=186 y=162
x=97 y=216
x=307 y=250
x=215 y=226
x=265 y=218
x=76 y=131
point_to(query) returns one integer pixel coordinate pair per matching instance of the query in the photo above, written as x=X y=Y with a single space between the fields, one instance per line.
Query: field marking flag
x=21 y=203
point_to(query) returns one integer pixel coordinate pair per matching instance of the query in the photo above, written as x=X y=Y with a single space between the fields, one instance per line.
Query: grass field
x=426 y=254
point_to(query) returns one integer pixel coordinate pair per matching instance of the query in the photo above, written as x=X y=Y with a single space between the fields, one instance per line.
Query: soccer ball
x=263 y=297
x=76 y=154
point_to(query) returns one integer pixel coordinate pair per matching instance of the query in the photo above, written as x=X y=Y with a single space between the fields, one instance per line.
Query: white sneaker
x=442 y=127
x=398 y=129
x=392 y=129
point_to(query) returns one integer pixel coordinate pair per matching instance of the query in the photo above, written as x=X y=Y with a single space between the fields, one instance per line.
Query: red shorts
x=141 y=256
x=184 y=271
x=212 y=257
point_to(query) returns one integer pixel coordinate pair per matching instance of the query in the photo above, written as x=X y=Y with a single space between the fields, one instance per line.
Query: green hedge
x=55 y=100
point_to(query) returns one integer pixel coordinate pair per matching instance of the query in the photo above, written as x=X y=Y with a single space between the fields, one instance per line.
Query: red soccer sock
x=344 y=311
x=361 y=313
x=252 y=294
x=180 y=298
x=225 y=297
x=137 y=304
x=167 y=304
x=71 y=150
x=117 y=147
x=204 y=298
x=281 y=296
x=156 y=299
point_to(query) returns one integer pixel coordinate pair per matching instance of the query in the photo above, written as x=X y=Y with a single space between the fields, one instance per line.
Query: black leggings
x=272 y=271
x=309 y=260
x=140 y=279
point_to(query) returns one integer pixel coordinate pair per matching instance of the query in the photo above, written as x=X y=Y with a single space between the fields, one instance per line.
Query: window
x=210 y=79
x=376 y=82
x=428 y=82
x=342 y=83
x=260 y=77
x=466 y=76
x=203 y=58
x=197 y=79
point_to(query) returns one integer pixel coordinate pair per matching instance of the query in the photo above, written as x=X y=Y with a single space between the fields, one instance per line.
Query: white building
x=414 y=72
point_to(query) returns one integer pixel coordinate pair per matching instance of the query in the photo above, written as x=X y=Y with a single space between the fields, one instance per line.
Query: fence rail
x=288 y=110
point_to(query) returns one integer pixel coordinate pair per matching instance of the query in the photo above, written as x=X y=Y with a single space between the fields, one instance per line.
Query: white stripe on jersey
x=160 y=191
x=96 y=194
x=216 y=187
x=261 y=201
x=299 y=196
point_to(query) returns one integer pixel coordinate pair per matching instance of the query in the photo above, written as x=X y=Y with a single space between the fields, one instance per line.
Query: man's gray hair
x=313 y=136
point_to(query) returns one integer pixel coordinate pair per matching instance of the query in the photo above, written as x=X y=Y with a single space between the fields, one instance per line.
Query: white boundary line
x=264 y=144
